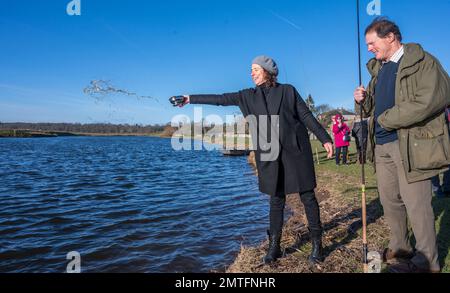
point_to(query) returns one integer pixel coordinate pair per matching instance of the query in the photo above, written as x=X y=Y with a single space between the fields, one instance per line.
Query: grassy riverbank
x=339 y=195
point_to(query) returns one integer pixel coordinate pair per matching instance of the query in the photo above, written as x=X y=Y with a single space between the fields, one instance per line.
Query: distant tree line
x=85 y=128
x=106 y=128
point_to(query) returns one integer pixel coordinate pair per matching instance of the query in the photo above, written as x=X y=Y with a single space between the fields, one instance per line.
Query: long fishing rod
x=363 y=177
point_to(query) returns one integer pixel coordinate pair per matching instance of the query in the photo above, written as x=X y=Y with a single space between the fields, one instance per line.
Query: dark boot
x=274 y=251
x=316 y=250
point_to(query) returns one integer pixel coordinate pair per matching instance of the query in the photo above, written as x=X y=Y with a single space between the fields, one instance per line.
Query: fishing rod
x=363 y=177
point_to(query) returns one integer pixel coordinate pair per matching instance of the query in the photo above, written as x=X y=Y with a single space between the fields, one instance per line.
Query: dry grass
x=339 y=199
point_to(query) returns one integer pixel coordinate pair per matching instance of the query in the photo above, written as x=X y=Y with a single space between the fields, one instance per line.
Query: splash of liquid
x=100 y=89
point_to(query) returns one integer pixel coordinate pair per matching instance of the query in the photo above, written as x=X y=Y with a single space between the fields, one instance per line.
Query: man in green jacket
x=408 y=140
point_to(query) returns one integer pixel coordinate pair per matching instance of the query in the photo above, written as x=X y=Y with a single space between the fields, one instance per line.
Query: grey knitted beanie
x=267 y=63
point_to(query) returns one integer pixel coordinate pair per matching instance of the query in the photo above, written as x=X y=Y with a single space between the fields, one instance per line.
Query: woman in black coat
x=291 y=170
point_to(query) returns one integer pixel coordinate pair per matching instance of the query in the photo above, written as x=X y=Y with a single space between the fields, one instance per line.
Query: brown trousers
x=402 y=200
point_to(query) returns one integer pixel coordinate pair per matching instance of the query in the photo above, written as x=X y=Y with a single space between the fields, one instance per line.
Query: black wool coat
x=295 y=160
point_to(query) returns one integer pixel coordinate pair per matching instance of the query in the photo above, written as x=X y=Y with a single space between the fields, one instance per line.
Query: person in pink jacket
x=341 y=131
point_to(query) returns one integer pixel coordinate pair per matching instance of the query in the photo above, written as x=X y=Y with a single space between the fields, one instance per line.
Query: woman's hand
x=329 y=148
x=186 y=101
x=179 y=101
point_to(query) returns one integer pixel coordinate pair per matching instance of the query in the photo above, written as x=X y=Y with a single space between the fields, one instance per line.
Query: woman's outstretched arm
x=228 y=99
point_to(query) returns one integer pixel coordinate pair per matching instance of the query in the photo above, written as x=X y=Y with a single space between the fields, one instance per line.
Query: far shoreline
x=26 y=133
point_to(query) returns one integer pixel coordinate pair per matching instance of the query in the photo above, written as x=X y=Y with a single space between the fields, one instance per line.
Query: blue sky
x=164 y=48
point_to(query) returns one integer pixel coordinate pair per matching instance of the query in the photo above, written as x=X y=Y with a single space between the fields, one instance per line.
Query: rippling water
x=126 y=204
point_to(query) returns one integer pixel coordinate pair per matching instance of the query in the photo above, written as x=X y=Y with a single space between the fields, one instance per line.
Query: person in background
x=341 y=134
x=360 y=132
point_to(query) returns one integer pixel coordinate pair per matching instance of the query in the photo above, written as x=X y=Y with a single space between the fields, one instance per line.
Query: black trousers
x=344 y=155
x=277 y=204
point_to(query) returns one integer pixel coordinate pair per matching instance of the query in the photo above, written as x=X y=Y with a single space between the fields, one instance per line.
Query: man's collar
x=397 y=55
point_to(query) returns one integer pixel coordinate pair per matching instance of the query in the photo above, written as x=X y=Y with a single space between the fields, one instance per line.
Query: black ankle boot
x=316 y=250
x=274 y=251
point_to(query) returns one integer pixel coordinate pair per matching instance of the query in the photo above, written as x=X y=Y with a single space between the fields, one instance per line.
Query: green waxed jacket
x=421 y=96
